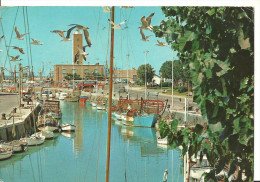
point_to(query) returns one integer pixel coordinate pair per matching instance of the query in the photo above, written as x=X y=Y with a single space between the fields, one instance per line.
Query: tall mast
x=110 y=96
x=127 y=63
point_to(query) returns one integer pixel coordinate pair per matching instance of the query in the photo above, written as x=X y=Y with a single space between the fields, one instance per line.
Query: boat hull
x=68 y=128
x=34 y=140
x=142 y=121
x=5 y=155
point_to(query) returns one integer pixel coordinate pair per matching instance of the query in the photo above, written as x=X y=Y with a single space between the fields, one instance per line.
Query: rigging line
x=10 y=40
x=26 y=40
x=29 y=38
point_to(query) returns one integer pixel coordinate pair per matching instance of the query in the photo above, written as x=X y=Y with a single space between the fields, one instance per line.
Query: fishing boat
x=62 y=95
x=35 y=139
x=18 y=145
x=94 y=104
x=5 y=153
x=68 y=127
x=83 y=98
x=140 y=121
x=47 y=134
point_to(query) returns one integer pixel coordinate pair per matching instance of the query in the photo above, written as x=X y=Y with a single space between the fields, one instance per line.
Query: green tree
x=179 y=70
x=218 y=45
x=149 y=73
x=70 y=76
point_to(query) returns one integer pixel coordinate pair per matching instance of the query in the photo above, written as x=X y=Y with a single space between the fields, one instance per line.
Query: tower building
x=77 y=43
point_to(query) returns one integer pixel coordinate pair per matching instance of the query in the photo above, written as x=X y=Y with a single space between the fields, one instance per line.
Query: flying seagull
x=17 y=48
x=36 y=42
x=146 y=22
x=115 y=26
x=160 y=43
x=61 y=33
x=106 y=9
x=18 y=35
x=165 y=175
x=85 y=31
x=81 y=52
x=15 y=58
x=144 y=38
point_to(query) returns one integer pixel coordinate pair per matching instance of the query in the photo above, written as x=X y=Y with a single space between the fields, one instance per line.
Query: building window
x=95 y=71
x=73 y=71
x=64 y=71
x=86 y=71
x=134 y=77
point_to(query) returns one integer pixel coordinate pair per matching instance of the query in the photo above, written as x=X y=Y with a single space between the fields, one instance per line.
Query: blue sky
x=44 y=19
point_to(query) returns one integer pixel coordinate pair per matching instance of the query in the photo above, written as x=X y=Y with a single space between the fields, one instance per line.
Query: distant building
x=121 y=75
x=156 y=80
x=85 y=71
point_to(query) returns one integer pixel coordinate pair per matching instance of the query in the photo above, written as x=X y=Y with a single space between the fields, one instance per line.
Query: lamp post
x=161 y=80
x=172 y=78
x=146 y=52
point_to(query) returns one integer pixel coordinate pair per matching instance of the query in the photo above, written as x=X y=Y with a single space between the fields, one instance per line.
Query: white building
x=156 y=80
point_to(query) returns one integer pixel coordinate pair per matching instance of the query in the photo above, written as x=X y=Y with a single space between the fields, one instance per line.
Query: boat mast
x=110 y=96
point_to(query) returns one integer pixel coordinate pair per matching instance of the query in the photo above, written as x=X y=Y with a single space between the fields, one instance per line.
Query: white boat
x=68 y=127
x=118 y=121
x=101 y=107
x=34 y=139
x=63 y=95
x=5 y=153
x=162 y=141
x=17 y=145
x=94 y=104
x=47 y=134
x=197 y=172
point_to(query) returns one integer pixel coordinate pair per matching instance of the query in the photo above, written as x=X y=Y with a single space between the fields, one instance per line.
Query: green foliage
x=149 y=73
x=182 y=89
x=70 y=76
x=179 y=70
x=166 y=84
x=217 y=43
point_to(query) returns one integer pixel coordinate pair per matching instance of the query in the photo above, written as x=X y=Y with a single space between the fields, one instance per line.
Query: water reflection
x=82 y=155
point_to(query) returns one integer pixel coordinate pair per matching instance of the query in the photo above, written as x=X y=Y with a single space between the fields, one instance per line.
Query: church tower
x=77 y=43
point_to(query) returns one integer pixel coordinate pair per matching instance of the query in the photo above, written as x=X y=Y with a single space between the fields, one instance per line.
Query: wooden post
x=110 y=96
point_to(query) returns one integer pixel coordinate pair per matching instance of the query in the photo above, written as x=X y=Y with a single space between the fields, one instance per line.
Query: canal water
x=81 y=156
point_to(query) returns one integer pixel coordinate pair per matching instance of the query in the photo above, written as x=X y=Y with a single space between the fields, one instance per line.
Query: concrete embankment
x=19 y=124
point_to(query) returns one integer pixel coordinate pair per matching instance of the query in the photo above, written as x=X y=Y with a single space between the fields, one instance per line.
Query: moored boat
x=18 y=145
x=34 y=139
x=47 y=134
x=83 y=98
x=5 y=153
x=68 y=127
x=162 y=141
x=140 y=121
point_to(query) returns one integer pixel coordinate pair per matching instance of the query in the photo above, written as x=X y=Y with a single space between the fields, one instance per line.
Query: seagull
x=115 y=25
x=17 y=48
x=146 y=23
x=15 y=58
x=144 y=38
x=106 y=9
x=61 y=33
x=18 y=35
x=36 y=42
x=126 y=7
x=160 y=43
x=83 y=53
x=85 y=31
x=165 y=175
